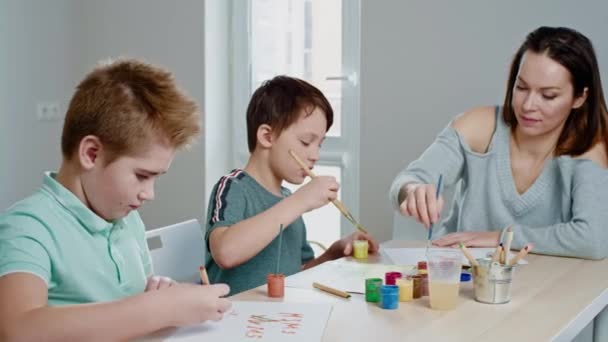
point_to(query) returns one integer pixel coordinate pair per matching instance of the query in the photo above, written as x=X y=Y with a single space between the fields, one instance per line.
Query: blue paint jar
x=390 y=296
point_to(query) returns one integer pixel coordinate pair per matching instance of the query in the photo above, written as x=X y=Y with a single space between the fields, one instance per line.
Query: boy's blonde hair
x=125 y=103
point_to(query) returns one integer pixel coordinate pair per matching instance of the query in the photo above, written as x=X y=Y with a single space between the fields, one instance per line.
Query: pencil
x=509 y=239
x=496 y=255
x=468 y=255
x=204 y=276
x=335 y=202
x=331 y=290
x=522 y=253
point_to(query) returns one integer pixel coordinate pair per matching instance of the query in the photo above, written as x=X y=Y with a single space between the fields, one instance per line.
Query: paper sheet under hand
x=411 y=256
x=262 y=321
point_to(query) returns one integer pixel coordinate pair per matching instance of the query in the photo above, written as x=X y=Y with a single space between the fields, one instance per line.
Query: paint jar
x=492 y=282
x=465 y=276
x=360 y=249
x=391 y=277
x=424 y=284
x=372 y=289
x=276 y=285
x=422 y=267
x=390 y=296
x=406 y=289
x=416 y=286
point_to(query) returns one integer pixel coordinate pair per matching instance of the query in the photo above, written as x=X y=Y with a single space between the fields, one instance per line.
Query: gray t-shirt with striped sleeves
x=236 y=197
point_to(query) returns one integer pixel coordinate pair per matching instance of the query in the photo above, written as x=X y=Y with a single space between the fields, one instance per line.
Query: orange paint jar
x=276 y=285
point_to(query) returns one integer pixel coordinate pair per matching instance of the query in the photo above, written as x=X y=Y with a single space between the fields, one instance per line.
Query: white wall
x=422 y=62
x=49 y=46
x=218 y=104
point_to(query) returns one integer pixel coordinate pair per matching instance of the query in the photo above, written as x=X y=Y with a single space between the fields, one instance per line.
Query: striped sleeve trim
x=221 y=193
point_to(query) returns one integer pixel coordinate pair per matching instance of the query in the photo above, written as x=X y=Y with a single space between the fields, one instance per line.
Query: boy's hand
x=344 y=246
x=318 y=192
x=190 y=304
x=156 y=282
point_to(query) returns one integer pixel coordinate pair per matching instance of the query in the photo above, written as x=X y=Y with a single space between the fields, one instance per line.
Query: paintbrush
x=335 y=202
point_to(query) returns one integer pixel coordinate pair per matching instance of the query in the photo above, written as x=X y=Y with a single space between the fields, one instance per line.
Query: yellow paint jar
x=360 y=249
x=406 y=289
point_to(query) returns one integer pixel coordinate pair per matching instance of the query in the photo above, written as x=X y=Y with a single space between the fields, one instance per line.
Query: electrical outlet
x=48 y=112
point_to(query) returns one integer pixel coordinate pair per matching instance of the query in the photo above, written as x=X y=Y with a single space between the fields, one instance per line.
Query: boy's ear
x=89 y=152
x=265 y=136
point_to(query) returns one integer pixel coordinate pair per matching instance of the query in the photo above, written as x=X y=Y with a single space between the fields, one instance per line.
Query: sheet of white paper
x=346 y=276
x=411 y=256
x=262 y=321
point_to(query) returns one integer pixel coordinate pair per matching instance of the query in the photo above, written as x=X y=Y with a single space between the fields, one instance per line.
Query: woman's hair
x=586 y=125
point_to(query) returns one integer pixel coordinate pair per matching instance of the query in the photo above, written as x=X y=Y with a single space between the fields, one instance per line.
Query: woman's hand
x=421 y=203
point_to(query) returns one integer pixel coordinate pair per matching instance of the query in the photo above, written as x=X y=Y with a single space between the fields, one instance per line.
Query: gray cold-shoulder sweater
x=564 y=212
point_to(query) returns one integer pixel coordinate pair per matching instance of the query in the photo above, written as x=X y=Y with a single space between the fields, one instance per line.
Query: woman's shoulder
x=476 y=126
x=597 y=154
x=589 y=170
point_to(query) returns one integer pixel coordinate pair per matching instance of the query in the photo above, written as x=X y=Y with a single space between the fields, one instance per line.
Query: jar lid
x=389 y=289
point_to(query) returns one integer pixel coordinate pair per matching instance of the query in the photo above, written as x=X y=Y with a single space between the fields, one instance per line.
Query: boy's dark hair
x=586 y=125
x=124 y=103
x=278 y=103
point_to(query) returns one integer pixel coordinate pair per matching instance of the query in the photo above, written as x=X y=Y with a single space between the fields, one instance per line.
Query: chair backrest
x=177 y=250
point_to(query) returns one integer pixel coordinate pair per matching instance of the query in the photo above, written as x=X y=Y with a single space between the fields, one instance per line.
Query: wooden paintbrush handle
x=335 y=202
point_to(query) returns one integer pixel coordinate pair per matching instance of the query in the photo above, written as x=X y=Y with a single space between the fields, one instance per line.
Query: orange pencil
x=522 y=253
x=204 y=276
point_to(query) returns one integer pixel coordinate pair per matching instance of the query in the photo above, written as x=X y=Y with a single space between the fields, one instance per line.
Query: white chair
x=177 y=250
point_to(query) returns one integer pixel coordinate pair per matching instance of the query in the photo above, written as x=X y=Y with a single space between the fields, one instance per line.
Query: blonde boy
x=74 y=264
x=248 y=205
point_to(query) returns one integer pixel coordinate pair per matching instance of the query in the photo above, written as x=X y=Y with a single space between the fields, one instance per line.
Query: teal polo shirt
x=81 y=257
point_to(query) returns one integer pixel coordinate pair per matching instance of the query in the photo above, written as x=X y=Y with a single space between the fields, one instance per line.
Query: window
x=316 y=40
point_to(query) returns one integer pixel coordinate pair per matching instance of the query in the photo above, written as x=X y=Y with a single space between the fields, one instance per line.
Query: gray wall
x=422 y=62
x=47 y=47
x=36 y=65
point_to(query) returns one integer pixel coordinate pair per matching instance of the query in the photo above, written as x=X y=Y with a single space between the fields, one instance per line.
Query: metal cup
x=492 y=282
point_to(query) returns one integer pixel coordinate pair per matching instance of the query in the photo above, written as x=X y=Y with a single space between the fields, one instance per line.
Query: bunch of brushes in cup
x=501 y=252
